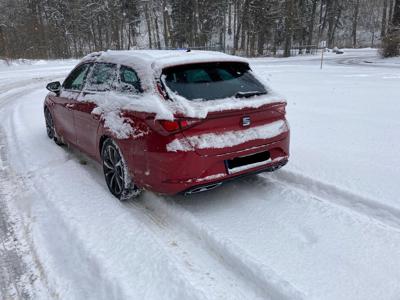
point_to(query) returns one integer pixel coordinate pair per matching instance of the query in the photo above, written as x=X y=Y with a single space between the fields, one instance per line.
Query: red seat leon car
x=169 y=121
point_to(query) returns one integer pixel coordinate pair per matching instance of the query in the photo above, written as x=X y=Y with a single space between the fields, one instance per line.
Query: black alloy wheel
x=49 y=123
x=115 y=172
x=50 y=128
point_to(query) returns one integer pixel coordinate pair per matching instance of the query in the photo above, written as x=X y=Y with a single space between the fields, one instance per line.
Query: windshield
x=213 y=81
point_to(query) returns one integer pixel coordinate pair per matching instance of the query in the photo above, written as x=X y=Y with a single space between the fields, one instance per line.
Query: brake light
x=184 y=123
x=188 y=123
x=172 y=126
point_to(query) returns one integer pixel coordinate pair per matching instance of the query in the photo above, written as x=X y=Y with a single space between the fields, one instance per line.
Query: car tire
x=116 y=172
x=50 y=129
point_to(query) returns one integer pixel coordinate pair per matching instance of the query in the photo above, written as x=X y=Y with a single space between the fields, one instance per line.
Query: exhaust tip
x=203 y=188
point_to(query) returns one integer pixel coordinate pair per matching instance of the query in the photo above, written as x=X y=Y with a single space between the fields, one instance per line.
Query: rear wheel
x=50 y=129
x=116 y=172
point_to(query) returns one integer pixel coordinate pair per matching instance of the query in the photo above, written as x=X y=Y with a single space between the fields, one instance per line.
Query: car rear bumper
x=212 y=185
x=187 y=172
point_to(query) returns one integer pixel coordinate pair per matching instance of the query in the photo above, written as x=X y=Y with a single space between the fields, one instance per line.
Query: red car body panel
x=149 y=162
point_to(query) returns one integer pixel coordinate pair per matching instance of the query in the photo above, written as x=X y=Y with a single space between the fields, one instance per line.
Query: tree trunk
x=196 y=25
x=165 y=24
x=391 y=6
x=261 y=42
x=3 y=43
x=237 y=29
x=396 y=16
x=331 y=22
x=384 y=18
x=391 y=42
x=148 y=23
x=355 y=22
x=156 y=29
x=311 y=25
x=229 y=18
x=289 y=23
x=322 y=18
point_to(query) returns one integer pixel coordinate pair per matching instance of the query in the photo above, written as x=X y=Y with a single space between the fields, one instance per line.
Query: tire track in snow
x=203 y=267
x=372 y=209
x=22 y=276
x=9 y=92
x=197 y=253
x=367 y=61
x=265 y=281
x=65 y=230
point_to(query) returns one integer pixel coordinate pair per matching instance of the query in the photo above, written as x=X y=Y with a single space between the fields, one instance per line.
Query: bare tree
x=355 y=22
x=384 y=18
x=58 y=28
x=391 y=42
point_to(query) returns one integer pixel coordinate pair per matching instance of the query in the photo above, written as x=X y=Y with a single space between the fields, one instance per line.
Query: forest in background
x=64 y=29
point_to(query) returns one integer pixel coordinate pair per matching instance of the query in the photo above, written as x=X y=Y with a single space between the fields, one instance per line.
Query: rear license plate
x=247 y=162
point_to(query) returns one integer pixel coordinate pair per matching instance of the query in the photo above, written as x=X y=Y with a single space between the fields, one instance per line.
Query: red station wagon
x=169 y=121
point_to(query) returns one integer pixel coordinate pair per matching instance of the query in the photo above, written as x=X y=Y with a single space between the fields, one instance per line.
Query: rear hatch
x=233 y=131
x=228 y=130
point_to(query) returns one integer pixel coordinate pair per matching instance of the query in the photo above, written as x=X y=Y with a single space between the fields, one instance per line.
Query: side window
x=76 y=79
x=129 y=81
x=102 y=77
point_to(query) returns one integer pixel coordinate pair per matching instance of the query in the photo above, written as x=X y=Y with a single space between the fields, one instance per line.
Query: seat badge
x=246 y=121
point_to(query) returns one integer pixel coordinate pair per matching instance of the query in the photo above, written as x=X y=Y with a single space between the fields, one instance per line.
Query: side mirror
x=54 y=87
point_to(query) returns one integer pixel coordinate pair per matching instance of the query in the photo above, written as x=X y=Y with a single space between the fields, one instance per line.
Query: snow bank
x=33 y=62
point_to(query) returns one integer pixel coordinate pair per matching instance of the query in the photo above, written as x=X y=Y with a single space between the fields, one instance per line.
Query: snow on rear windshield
x=213 y=81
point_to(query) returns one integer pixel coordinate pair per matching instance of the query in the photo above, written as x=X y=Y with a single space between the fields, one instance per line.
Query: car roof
x=160 y=59
x=149 y=63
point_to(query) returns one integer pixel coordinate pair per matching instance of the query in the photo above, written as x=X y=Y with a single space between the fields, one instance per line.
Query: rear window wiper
x=249 y=94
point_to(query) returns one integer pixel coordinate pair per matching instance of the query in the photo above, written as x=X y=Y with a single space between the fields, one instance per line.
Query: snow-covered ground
x=327 y=226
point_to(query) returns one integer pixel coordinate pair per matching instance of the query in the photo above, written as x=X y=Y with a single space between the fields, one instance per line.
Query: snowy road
x=325 y=227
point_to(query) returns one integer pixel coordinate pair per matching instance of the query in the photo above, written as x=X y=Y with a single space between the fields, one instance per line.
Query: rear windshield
x=213 y=81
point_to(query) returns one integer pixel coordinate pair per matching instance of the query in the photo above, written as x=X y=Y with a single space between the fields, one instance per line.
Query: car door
x=129 y=84
x=100 y=80
x=64 y=103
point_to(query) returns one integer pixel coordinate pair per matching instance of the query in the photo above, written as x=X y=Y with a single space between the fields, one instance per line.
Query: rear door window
x=213 y=81
x=76 y=80
x=129 y=81
x=102 y=77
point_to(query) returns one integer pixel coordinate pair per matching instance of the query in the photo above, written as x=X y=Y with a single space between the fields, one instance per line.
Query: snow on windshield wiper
x=248 y=94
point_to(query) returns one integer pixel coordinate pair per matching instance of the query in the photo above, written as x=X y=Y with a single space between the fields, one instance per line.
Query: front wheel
x=50 y=129
x=116 y=172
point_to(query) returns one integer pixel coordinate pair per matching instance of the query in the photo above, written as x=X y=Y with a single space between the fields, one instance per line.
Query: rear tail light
x=172 y=126
x=188 y=123
x=281 y=108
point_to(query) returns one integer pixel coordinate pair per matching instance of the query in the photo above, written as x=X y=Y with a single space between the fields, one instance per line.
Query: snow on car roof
x=159 y=59
x=149 y=65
